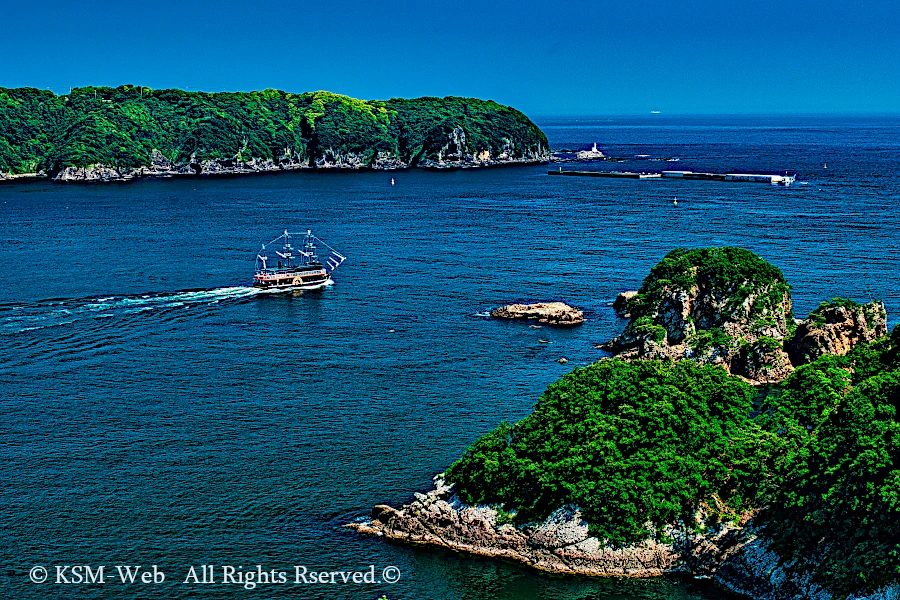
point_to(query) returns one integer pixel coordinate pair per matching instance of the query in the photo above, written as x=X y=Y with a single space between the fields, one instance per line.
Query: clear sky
x=545 y=58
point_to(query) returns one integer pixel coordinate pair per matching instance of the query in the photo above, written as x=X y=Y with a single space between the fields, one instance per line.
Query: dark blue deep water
x=155 y=410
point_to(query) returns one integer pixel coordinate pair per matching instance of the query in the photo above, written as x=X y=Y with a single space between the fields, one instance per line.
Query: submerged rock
x=835 y=328
x=552 y=313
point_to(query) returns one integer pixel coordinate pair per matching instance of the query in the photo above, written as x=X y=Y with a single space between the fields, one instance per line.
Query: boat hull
x=291 y=280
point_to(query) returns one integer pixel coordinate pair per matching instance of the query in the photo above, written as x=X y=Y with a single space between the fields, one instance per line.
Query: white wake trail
x=40 y=315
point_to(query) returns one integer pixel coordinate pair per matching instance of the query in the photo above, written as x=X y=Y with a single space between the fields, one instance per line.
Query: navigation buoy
x=392 y=181
x=825 y=166
x=675 y=201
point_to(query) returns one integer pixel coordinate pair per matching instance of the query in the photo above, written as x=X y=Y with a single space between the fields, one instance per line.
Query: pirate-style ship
x=298 y=268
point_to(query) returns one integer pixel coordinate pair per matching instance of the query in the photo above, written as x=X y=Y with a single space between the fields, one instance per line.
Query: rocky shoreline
x=734 y=556
x=722 y=307
x=162 y=168
x=22 y=178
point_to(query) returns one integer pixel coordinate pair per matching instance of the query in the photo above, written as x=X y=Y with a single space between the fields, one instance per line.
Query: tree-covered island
x=725 y=439
x=104 y=134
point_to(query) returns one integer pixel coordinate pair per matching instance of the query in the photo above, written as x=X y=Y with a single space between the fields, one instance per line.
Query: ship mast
x=310 y=247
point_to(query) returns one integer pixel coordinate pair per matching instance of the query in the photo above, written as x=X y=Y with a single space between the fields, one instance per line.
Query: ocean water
x=158 y=411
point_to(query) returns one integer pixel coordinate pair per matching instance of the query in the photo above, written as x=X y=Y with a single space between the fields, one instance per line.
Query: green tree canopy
x=123 y=126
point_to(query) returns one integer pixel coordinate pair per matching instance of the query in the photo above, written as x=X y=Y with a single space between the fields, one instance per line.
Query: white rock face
x=736 y=558
x=564 y=527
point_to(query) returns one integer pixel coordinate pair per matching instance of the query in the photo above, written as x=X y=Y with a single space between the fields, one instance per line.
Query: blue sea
x=156 y=410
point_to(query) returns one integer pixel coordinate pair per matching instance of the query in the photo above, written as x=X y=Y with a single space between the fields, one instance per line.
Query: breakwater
x=784 y=178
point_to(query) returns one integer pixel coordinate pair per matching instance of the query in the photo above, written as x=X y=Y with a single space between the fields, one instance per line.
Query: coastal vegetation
x=129 y=127
x=637 y=445
x=727 y=306
x=732 y=272
x=630 y=443
x=812 y=460
x=833 y=503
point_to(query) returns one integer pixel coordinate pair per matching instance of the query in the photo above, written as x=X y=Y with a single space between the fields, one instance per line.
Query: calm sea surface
x=156 y=410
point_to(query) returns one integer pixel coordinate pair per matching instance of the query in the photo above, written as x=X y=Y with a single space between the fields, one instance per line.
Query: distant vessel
x=296 y=267
x=654 y=112
x=591 y=154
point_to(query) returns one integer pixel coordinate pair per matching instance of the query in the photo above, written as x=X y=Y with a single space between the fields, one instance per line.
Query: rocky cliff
x=835 y=327
x=161 y=167
x=729 y=307
x=723 y=306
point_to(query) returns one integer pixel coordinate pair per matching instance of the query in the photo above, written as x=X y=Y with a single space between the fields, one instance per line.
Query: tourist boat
x=298 y=268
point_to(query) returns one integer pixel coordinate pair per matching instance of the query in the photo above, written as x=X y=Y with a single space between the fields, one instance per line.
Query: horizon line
x=785 y=113
x=654 y=113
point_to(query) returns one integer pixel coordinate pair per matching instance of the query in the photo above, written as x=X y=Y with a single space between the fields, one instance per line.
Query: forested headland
x=725 y=439
x=100 y=133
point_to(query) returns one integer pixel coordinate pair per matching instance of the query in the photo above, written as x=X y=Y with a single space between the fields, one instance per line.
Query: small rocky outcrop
x=835 y=327
x=552 y=313
x=724 y=306
x=729 y=307
x=620 y=304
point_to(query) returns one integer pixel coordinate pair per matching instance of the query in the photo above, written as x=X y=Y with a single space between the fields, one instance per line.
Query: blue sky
x=575 y=57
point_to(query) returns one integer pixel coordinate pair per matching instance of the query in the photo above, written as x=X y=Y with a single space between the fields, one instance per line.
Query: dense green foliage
x=836 y=464
x=706 y=339
x=650 y=441
x=123 y=126
x=730 y=271
x=629 y=443
x=644 y=326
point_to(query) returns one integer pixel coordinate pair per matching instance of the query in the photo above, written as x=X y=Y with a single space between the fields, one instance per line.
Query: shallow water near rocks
x=156 y=410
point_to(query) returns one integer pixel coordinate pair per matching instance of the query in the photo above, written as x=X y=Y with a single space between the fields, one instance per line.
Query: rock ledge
x=552 y=313
x=734 y=556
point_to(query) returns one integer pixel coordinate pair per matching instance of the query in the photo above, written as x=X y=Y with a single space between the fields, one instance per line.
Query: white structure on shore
x=591 y=154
